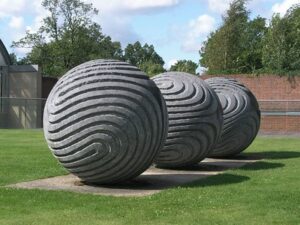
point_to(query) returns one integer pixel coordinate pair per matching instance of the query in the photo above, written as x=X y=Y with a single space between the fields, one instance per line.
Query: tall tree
x=281 y=51
x=222 y=49
x=275 y=45
x=145 y=57
x=236 y=47
x=67 y=38
x=251 y=53
x=187 y=66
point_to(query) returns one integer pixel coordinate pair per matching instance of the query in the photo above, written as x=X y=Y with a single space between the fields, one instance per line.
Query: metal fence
x=280 y=117
x=280 y=107
x=21 y=112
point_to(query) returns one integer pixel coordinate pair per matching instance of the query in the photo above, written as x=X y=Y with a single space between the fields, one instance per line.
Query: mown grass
x=266 y=192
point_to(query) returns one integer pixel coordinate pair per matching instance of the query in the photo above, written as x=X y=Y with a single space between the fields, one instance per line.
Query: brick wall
x=270 y=87
x=275 y=88
x=280 y=124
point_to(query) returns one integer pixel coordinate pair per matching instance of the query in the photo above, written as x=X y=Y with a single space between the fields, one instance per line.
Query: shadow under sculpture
x=195 y=119
x=105 y=121
x=241 y=116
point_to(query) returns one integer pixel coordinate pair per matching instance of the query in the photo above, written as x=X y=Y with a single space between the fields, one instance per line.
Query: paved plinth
x=150 y=182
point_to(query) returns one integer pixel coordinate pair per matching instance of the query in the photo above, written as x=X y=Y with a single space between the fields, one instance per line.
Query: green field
x=267 y=192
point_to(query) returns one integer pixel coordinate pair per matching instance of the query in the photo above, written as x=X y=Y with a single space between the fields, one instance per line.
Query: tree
x=144 y=57
x=151 y=68
x=213 y=52
x=13 y=58
x=187 y=66
x=275 y=49
x=67 y=37
x=236 y=47
x=251 y=54
x=281 y=51
x=15 y=61
x=222 y=49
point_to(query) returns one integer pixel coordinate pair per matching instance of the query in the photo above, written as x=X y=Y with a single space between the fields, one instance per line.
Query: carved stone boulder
x=241 y=116
x=105 y=121
x=195 y=119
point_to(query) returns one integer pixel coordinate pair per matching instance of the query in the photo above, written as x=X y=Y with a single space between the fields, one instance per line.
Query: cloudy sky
x=175 y=27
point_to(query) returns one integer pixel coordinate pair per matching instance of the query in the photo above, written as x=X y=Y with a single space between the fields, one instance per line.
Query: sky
x=176 y=28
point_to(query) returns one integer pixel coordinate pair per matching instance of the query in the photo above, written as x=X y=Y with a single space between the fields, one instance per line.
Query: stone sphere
x=195 y=119
x=241 y=116
x=105 y=121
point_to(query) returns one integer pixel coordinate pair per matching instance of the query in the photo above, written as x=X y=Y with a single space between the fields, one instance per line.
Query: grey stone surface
x=195 y=119
x=105 y=121
x=241 y=116
x=150 y=182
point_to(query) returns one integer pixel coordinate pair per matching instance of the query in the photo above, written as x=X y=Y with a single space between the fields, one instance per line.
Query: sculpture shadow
x=159 y=178
x=153 y=181
x=220 y=179
x=226 y=178
x=192 y=176
x=220 y=164
x=264 y=155
x=163 y=181
x=262 y=166
x=273 y=154
x=202 y=166
x=259 y=165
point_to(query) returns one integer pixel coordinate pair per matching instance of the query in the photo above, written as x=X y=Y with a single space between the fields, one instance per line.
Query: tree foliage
x=67 y=38
x=144 y=57
x=281 y=50
x=187 y=66
x=151 y=68
x=242 y=45
x=236 y=46
x=251 y=54
x=15 y=61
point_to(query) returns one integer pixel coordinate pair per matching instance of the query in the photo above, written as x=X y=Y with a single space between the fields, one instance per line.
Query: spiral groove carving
x=105 y=121
x=241 y=116
x=195 y=119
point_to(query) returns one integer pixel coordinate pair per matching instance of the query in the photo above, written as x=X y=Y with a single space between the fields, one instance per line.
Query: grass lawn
x=267 y=192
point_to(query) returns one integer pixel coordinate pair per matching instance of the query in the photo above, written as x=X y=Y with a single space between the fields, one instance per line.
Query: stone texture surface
x=241 y=116
x=195 y=119
x=150 y=182
x=105 y=121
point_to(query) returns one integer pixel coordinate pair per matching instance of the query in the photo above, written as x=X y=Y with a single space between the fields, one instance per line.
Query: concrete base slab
x=150 y=182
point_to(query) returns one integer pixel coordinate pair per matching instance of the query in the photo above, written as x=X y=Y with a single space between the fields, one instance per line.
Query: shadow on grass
x=200 y=173
x=224 y=179
x=262 y=166
x=153 y=181
x=202 y=166
x=242 y=156
x=273 y=155
x=160 y=182
x=220 y=179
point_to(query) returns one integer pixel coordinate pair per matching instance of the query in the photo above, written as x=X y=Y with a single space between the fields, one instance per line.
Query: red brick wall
x=280 y=124
x=272 y=87
x=269 y=87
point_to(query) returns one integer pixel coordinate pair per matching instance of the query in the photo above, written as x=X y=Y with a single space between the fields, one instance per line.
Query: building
x=21 y=100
